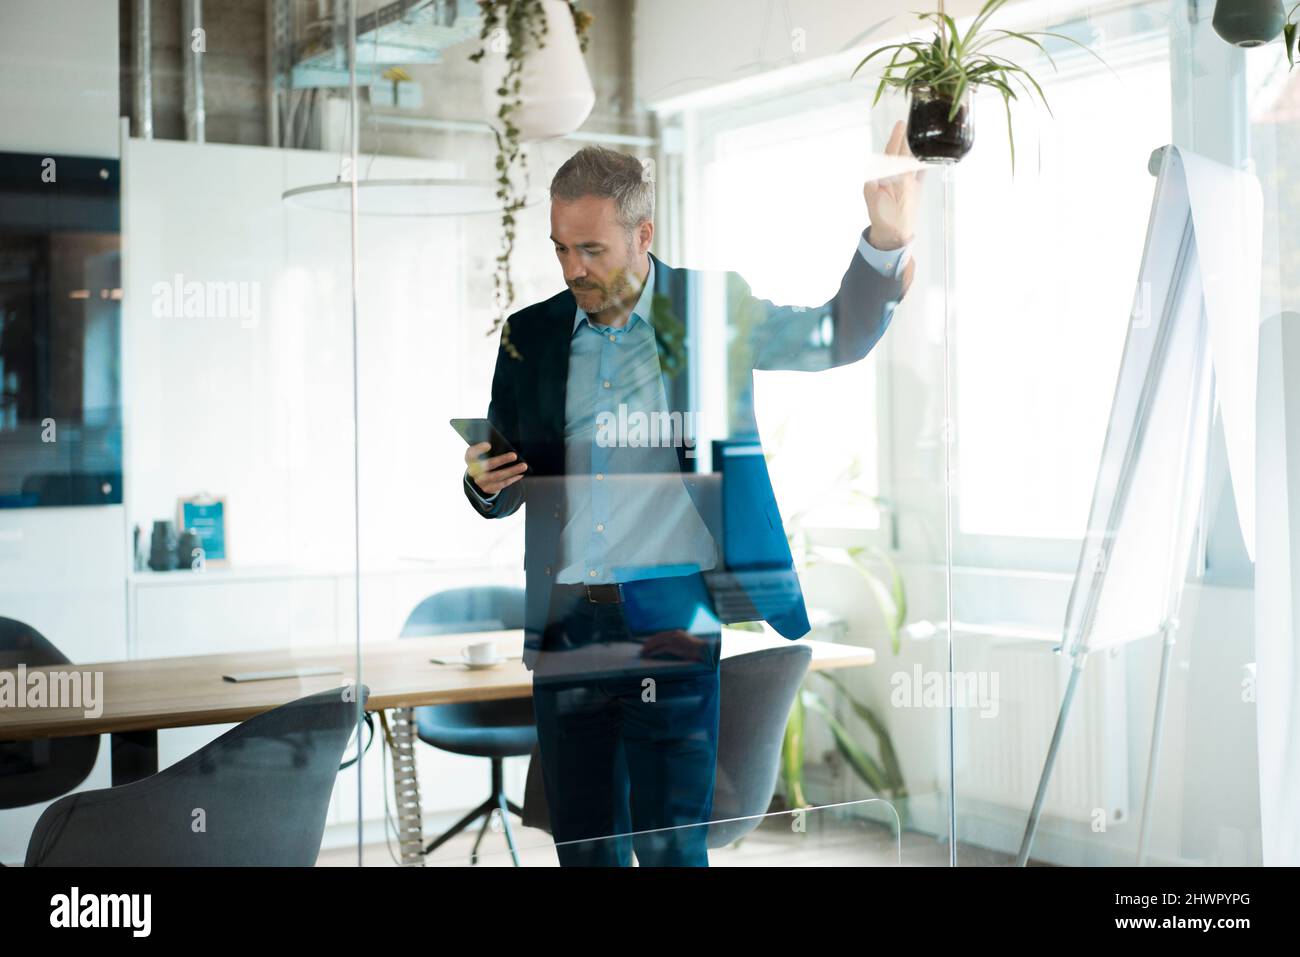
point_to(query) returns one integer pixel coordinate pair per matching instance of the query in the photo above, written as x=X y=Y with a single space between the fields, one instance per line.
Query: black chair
x=32 y=772
x=756 y=692
x=256 y=796
x=487 y=729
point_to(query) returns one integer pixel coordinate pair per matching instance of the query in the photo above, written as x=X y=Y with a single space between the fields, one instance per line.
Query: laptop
x=757 y=579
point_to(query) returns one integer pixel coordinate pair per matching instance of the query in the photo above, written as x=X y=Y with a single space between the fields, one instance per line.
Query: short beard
x=621 y=287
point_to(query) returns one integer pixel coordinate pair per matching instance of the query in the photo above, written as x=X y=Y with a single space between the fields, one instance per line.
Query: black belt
x=596 y=594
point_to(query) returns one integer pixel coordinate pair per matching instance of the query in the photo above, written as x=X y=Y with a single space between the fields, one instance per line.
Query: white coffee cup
x=481 y=653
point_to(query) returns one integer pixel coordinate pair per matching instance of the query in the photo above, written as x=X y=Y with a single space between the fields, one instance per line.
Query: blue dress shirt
x=628 y=514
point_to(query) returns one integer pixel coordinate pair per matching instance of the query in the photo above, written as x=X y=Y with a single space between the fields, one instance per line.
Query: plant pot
x=933 y=134
x=1249 y=23
x=556 y=95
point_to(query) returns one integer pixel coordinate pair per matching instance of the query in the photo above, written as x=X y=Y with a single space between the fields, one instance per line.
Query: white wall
x=685 y=47
x=59 y=76
x=262 y=412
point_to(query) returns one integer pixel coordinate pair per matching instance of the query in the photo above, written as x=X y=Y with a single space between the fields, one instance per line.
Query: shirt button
x=592 y=573
x=600 y=476
x=605 y=383
x=600 y=526
x=613 y=338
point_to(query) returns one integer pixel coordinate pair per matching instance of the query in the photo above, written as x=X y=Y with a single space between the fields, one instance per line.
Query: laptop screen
x=753 y=537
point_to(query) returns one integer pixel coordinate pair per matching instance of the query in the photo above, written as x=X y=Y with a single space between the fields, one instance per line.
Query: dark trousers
x=628 y=758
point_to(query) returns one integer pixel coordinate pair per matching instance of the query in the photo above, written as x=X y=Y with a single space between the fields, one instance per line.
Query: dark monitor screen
x=60 y=331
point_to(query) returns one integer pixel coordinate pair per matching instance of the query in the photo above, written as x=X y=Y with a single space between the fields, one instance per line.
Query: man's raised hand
x=892 y=203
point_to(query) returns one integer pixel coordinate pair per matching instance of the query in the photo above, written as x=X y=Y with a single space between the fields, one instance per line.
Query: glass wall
x=178 y=445
x=1044 y=282
x=668 y=395
x=1102 y=592
x=827 y=514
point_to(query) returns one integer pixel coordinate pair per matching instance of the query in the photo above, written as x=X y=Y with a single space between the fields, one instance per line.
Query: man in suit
x=596 y=392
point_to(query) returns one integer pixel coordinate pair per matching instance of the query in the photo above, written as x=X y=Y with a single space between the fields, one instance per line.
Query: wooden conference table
x=146 y=695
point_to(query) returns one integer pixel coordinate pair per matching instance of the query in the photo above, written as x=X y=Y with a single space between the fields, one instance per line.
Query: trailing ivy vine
x=515 y=28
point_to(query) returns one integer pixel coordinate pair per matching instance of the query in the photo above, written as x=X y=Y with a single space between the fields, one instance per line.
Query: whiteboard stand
x=1170 y=631
x=1165 y=370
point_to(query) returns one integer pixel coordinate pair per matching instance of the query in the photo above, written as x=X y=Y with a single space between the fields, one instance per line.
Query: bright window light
x=1044 y=277
x=781 y=204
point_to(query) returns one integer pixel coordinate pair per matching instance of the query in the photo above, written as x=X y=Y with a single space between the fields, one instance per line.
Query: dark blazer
x=528 y=393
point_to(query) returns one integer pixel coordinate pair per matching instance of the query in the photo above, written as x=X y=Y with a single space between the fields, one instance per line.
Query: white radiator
x=1000 y=757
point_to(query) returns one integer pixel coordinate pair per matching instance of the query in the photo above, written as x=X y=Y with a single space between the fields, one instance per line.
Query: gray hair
x=596 y=171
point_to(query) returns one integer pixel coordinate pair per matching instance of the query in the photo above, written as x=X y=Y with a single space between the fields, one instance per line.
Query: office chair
x=487 y=729
x=257 y=796
x=32 y=772
x=756 y=692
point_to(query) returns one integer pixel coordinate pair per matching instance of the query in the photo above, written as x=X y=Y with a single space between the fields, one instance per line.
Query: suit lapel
x=553 y=370
x=670 y=317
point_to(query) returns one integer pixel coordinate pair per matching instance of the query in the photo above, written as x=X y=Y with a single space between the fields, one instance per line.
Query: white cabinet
x=215 y=612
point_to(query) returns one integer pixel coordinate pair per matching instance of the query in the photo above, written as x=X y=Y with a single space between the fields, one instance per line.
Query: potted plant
x=941 y=74
x=882 y=772
x=1248 y=23
x=535 y=86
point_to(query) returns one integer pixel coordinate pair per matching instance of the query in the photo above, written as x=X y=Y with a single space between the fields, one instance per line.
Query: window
x=1044 y=273
x=778 y=199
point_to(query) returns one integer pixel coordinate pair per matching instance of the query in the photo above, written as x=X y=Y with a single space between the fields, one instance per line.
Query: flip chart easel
x=1151 y=477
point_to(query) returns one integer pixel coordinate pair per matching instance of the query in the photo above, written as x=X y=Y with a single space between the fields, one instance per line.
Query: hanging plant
x=941 y=74
x=516 y=29
x=1248 y=23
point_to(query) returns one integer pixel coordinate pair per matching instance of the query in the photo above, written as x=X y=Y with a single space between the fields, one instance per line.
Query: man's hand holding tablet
x=498 y=469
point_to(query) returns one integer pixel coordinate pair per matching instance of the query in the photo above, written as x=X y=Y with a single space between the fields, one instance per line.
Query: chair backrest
x=32 y=772
x=755 y=696
x=479 y=608
x=257 y=796
x=460 y=610
x=757 y=692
